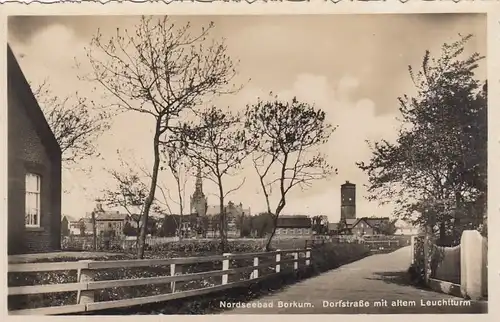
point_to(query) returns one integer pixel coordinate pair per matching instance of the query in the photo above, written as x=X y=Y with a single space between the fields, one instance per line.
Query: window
x=32 y=207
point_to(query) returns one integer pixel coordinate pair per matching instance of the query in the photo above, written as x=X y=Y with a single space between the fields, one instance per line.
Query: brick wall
x=27 y=153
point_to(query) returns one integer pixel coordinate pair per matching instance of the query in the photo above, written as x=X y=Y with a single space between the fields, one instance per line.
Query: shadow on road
x=398 y=277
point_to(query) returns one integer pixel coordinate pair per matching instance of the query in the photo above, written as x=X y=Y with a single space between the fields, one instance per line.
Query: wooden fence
x=86 y=286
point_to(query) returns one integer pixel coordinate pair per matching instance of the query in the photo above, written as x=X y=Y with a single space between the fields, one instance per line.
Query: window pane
x=31 y=182
x=32 y=202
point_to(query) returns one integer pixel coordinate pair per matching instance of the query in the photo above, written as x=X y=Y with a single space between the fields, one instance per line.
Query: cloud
x=340 y=98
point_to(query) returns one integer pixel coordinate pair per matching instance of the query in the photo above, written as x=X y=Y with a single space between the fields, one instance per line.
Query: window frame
x=37 y=192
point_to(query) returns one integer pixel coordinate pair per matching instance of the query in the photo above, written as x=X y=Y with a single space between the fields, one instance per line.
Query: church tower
x=198 y=204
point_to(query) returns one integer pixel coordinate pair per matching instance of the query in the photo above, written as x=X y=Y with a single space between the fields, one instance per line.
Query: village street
x=370 y=280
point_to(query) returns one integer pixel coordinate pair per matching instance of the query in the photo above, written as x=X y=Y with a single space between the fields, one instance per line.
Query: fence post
x=296 y=261
x=278 y=259
x=225 y=266
x=473 y=257
x=255 y=273
x=308 y=257
x=85 y=275
x=173 y=272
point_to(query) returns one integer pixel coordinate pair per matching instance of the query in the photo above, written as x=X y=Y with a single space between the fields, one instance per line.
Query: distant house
x=85 y=226
x=111 y=221
x=293 y=226
x=234 y=213
x=333 y=228
x=71 y=226
x=34 y=170
x=366 y=226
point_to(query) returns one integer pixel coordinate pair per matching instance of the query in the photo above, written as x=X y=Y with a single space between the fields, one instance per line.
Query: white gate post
x=255 y=273
x=278 y=259
x=85 y=275
x=225 y=267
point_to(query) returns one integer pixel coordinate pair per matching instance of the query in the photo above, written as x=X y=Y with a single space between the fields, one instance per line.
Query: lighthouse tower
x=347 y=201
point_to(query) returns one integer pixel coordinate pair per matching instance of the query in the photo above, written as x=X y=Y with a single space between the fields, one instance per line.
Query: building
x=198 y=201
x=367 y=226
x=34 y=170
x=112 y=221
x=293 y=226
x=348 y=201
x=333 y=228
x=234 y=215
x=71 y=226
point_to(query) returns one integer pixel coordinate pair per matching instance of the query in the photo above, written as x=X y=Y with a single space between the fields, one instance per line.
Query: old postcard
x=170 y=163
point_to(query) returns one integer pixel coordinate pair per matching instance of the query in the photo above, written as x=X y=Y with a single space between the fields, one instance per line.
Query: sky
x=354 y=67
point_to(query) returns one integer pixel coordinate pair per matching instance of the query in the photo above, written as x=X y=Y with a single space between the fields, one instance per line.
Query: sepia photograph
x=247 y=164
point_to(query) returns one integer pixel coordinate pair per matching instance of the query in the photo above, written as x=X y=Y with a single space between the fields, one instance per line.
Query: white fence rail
x=86 y=285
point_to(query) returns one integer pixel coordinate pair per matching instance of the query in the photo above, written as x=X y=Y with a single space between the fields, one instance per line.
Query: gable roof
x=17 y=81
x=373 y=222
x=351 y=222
x=294 y=222
x=70 y=218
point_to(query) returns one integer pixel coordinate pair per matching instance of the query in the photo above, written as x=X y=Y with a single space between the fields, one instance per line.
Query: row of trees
x=435 y=172
x=168 y=73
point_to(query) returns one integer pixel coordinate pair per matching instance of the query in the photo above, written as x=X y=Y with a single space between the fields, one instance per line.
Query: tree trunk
x=222 y=228
x=442 y=233
x=270 y=238
x=152 y=190
x=181 y=207
x=275 y=223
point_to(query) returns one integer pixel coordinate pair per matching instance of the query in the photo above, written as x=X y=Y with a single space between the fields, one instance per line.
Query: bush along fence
x=85 y=243
x=460 y=270
x=375 y=245
x=172 y=279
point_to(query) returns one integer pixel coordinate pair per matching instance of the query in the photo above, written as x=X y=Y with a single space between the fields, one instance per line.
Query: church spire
x=198 y=200
x=199 y=182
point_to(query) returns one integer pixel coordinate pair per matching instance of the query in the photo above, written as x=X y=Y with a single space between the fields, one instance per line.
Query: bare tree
x=75 y=121
x=160 y=71
x=176 y=163
x=130 y=193
x=285 y=137
x=218 y=146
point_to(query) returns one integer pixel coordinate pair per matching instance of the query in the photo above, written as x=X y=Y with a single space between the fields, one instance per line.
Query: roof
x=230 y=209
x=70 y=219
x=348 y=184
x=110 y=215
x=17 y=81
x=294 y=222
x=350 y=222
x=373 y=222
x=333 y=226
